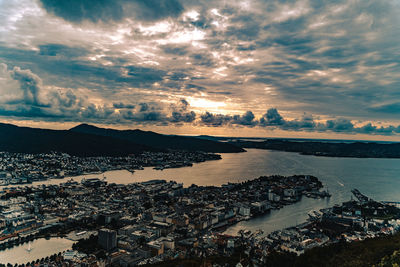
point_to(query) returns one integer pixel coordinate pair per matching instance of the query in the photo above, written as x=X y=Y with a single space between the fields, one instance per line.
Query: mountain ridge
x=77 y=142
x=160 y=141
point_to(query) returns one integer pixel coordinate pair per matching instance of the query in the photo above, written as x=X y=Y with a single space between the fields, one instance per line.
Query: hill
x=380 y=251
x=32 y=140
x=86 y=140
x=160 y=141
x=328 y=149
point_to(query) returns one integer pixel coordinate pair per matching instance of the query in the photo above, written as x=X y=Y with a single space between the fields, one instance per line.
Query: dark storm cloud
x=178 y=50
x=149 y=116
x=29 y=112
x=393 y=108
x=62 y=50
x=67 y=100
x=247 y=119
x=157 y=9
x=142 y=74
x=112 y=10
x=181 y=113
x=143 y=107
x=32 y=100
x=92 y=111
x=30 y=85
x=340 y=125
x=244 y=28
x=79 y=10
x=62 y=66
x=176 y=76
x=122 y=105
x=250 y=47
x=272 y=118
x=68 y=106
x=191 y=86
x=215 y=120
x=203 y=60
x=183 y=116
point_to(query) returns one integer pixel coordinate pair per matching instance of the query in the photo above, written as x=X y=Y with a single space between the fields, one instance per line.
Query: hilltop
x=87 y=140
x=160 y=141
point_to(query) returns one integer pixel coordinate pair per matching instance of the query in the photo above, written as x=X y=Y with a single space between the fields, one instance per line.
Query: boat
x=29 y=249
x=159 y=168
x=131 y=170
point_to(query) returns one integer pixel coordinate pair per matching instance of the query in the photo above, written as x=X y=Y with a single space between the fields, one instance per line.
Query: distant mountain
x=212 y=138
x=327 y=149
x=160 y=141
x=32 y=140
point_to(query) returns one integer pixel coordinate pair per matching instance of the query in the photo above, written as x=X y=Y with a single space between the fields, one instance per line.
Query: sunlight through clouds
x=334 y=60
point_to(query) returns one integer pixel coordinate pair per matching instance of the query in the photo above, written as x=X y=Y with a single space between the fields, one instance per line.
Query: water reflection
x=36 y=249
x=377 y=178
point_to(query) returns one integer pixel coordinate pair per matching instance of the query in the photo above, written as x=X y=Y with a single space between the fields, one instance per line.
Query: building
x=107 y=239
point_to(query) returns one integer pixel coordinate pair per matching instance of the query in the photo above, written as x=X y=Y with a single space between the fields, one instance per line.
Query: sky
x=308 y=69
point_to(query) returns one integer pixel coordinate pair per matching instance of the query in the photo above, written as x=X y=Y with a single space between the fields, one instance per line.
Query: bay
x=377 y=178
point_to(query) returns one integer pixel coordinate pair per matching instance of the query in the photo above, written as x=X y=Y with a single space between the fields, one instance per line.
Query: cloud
x=307 y=123
x=62 y=50
x=33 y=99
x=215 y=120
x=121 y=105
x=157 y=9
x=392 y=108
x=272 y=118
x=247 y=119
x=334 y=60
x=78 y=11
x=183 y=116
x=30 y=84
x=180 y=112
x=340 y=125
x=175 y=49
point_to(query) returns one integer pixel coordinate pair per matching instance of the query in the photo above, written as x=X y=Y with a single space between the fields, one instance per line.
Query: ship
x=315 y=215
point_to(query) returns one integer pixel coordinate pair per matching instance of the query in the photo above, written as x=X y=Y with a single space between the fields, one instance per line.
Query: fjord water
x=377 y=178
x=36 y=249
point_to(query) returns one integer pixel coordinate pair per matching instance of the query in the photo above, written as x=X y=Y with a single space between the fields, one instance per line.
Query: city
x=19 y=168
x=156 y=221
x=199 y=133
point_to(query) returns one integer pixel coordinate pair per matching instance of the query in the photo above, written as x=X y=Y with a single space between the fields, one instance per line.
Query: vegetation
x=160 y=141
x=34 y=141
x=364 y=253
x=90 y=246
x=237 y=256
x=392 y=260
x=378 y=252
x=86 y=140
